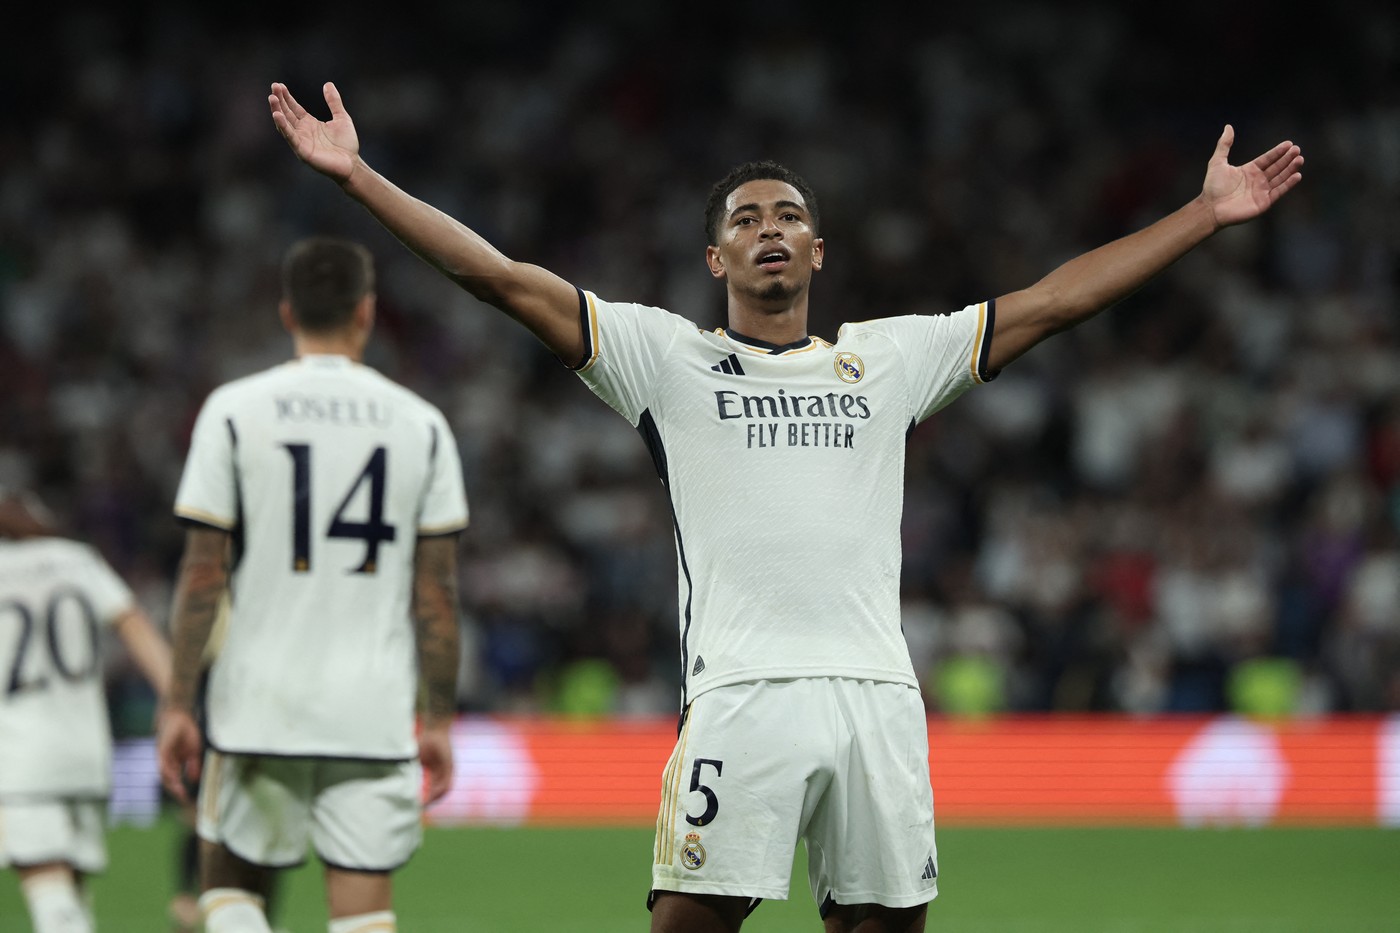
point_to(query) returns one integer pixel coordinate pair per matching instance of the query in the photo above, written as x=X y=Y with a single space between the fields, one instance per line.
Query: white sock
x=54 y=904
x=232 y=910
x=381 y=921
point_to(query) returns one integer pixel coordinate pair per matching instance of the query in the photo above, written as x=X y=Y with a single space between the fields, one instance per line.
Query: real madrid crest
x=692 y=853
x=849 y=367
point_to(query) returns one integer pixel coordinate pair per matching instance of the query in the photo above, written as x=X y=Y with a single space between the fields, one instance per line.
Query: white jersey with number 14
x=325 y=472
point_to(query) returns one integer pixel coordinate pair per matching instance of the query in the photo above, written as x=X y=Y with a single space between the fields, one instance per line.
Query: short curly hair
x=753 y=171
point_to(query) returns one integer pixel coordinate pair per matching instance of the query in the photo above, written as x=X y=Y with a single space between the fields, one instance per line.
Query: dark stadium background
x=1188 y=507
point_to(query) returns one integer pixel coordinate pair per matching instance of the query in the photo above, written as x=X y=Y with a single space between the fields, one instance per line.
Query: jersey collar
x=325 y=360
x=763 y=345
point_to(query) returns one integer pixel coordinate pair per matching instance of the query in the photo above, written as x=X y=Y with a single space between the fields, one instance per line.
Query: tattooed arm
x=435 y=627
x=202 y=582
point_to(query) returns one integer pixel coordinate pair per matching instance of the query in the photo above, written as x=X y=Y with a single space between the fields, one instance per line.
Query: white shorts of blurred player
x=357 y=815
x=841 y=764
x=71 y=831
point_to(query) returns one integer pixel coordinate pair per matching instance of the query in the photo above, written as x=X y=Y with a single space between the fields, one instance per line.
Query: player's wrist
x=173 y=704
x=1201 y=210
x=358 y=171
x=440 y=723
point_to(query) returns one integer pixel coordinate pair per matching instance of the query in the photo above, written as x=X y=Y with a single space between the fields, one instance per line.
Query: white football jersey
x=326 y=473
x=56 y=598
x=785 y=470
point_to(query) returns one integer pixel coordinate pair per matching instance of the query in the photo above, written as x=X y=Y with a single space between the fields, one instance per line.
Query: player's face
x=767 y=249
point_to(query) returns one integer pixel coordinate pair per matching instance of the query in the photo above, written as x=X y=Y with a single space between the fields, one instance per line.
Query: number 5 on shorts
x=711 y=801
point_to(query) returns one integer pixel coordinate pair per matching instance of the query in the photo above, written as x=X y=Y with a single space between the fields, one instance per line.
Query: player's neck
x=337 y=344
x=780 y=326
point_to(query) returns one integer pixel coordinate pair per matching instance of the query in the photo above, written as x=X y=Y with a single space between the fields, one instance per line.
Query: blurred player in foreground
x=783 y=456
x=326 y=501
x=56 y=598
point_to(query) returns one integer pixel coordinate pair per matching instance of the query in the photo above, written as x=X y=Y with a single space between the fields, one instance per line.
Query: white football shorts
x=71 y=831
x=359 y=815
x=841 y=764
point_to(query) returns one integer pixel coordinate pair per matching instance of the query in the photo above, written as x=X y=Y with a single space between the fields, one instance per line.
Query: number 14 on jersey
x=373 y=531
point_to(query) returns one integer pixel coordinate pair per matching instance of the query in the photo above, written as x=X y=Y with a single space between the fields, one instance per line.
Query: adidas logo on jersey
x=699 y=666
x=930 y=870
x=729 y=366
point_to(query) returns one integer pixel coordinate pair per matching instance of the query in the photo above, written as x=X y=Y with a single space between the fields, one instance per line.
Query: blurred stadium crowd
x=1191 y=503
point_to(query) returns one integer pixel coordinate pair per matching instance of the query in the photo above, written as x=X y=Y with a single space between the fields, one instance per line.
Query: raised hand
x=330 y=147
x=1236 y=193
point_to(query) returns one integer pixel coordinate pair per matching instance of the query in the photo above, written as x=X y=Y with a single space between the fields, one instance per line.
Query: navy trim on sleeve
x=586 y=329
x=239 y=541
x=984 y=353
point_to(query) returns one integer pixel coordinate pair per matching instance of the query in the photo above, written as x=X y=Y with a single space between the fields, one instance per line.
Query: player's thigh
x=743 y=777
x=676 y=912
x=875 y=918
x=367 y=816
x=256 y=807
x=220 y=868
x=62 y=831
x=871 y=840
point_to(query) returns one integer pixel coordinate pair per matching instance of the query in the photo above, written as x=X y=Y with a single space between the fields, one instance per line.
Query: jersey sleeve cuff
x=982 y=344
x=437 y=531
x=588 y=325
x=189 y=516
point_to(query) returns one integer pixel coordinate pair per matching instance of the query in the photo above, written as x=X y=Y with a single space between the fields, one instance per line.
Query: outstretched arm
x=534 y=296
x=1088 y=284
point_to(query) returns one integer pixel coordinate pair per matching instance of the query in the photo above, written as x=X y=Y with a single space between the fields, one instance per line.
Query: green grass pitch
x=1005 y=880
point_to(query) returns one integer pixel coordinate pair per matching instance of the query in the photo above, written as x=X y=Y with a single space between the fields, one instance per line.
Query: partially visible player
x=57 y=596
x=325 y=501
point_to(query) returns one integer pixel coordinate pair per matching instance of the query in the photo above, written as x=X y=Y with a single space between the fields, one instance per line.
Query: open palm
x=1237 y=193
x=330 y=147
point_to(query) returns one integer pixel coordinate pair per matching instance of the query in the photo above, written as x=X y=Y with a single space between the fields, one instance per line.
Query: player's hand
x=435 y=754
x=179 y=751
x=330 y=147
x=1236 y=193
